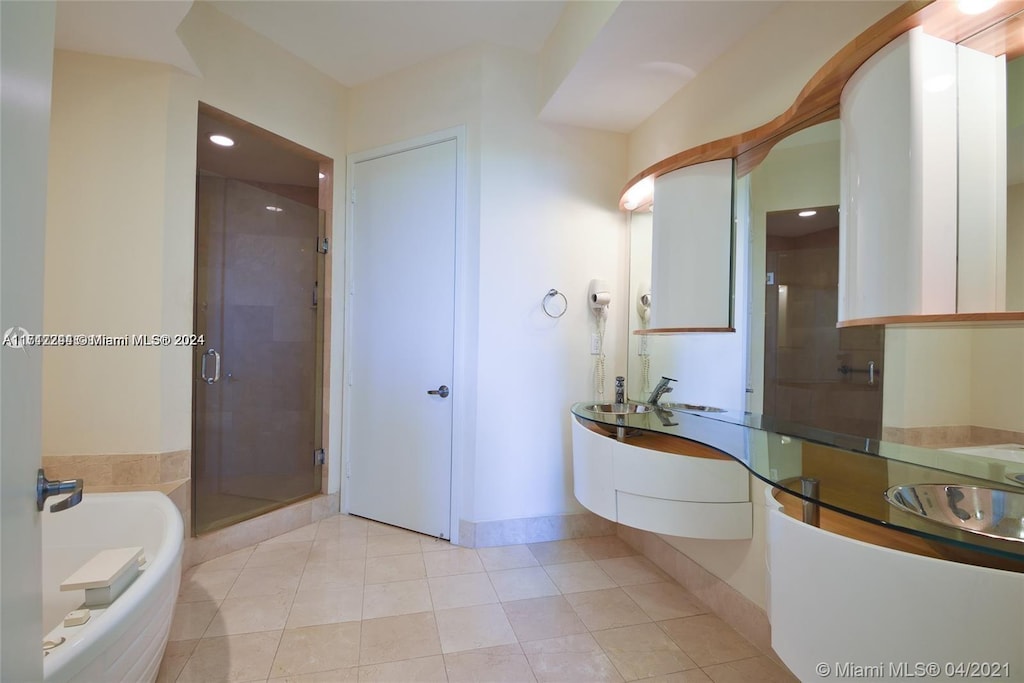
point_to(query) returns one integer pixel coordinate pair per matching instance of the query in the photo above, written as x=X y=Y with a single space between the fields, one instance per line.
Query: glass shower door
x=258 y=378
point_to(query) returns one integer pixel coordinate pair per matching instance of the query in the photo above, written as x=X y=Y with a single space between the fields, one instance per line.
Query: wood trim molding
x=980 y=318
x=655 y=331
x=940 y=18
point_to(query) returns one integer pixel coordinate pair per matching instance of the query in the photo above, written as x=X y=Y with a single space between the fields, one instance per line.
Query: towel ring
x=552 y=293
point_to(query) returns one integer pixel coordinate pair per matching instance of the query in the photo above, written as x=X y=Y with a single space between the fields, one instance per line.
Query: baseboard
x=533 y=530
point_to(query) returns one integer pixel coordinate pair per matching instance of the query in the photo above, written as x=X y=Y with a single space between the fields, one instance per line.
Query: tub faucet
x=620 y=389
x=660 y=390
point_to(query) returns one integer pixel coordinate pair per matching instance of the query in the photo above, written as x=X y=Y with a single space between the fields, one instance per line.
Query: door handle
x=441 y=391
x=54 y=487
x=216 y=366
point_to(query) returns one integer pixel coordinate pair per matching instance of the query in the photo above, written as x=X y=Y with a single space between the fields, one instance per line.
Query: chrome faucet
x=660 y=390
x=620 y=390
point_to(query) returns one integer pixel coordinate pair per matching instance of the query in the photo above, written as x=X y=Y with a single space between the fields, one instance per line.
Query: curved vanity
x=936 y=576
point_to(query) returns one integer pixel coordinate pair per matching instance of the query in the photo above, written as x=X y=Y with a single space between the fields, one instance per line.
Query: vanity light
x=275 y=209
x=639 y=194
x=222 y=140
x=808 y=213
x=975 y=6
x=322 y=176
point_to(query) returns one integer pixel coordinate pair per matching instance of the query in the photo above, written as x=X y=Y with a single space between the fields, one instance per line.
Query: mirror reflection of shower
x=815 y=374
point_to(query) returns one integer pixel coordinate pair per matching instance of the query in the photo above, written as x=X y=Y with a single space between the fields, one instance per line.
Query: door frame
x=463 y=375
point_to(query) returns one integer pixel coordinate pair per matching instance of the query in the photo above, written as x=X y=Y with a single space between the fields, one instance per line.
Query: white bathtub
x=125 y=641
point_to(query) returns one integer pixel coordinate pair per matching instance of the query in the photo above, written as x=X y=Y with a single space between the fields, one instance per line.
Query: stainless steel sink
x=976 y=509
x=618 y=408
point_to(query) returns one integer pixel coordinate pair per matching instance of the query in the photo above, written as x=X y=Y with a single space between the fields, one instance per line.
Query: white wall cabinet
x=667 y=493
x=691 y=267
x=898 y=182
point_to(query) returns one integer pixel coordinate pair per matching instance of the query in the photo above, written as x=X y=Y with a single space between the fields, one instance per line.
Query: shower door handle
x=216 y=366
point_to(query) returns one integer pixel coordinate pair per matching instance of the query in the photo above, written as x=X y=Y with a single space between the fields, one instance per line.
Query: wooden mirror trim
x=940 y=18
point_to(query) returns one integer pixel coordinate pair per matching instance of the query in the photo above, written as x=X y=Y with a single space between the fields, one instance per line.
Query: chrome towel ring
x=553 y=294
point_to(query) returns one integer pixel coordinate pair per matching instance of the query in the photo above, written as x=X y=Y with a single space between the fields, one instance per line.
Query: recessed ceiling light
x=975 y=6
x=222 y=140
x=807 y=214
x=275 y=209
x=322 y=176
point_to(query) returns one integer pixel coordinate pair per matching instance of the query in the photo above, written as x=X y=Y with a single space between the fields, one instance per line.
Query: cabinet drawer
x=722 y=521
x=679 y=477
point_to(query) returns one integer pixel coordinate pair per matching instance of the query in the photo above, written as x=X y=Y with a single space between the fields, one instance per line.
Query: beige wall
x=755 y=81
x=120 y=243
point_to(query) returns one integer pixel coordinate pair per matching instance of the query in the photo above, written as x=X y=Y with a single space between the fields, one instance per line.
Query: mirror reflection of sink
x=693 y=407
x=979 y=510
x=618 y=408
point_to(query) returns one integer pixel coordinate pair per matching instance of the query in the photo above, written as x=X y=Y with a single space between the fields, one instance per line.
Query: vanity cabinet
x=691 y=267
x=700 y=495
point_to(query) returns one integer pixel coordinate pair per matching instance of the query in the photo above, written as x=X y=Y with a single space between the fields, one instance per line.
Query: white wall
x=927 y=376
x=541 y=206
x=120 y=243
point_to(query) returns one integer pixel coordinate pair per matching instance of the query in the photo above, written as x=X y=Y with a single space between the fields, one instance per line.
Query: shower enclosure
x=257 y=399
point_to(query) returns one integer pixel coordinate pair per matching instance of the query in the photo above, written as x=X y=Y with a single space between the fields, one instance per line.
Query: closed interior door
x=401 y=294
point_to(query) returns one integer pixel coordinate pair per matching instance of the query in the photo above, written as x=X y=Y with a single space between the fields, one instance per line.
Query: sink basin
x=976 y=509
x=693 y=407
x=618 y=408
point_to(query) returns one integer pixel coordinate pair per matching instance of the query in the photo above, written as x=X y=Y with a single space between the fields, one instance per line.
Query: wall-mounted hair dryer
x=599 y=297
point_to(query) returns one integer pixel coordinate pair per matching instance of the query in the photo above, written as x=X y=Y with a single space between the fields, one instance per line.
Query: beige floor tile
x=543 y=618
x=642 y=651
x=329 y=551
x=472 y=628
x=605 y=547
x=708 y=640
x=246 y=657
x=192 y=618
x=558 y=552
x=175 y=656
x=458 y=561
x=630 y=571
x=317 y=648
x=381 y=545
x=576 y=577
x=325 y=606
x=462 y=590
x=689 y=676
x=477 y=666
x=395 y=568
x=582 y=643
x=397 y=597
x=421 y=670
x=393 y=639
x=235 y=560
x=521 y=584
x=567 y=665
x=249 y=615
x=208 y=584
x=667 y=600
x=305 y=533
x=760 y=669
x=254 y=581
x=349 y=675
x=340 y=575
x=342 y=526
x=291 y=555
x=429 y=544
x=506 y=557
x=379 y=529
x=608 y=608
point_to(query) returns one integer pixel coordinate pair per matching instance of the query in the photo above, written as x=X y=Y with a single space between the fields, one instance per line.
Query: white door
x=401 y=332
x=25 y=82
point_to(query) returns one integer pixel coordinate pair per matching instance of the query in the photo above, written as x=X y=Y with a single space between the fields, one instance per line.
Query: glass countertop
x=854 y=473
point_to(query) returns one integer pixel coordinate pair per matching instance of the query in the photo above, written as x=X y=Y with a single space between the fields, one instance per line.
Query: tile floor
x=350 y=600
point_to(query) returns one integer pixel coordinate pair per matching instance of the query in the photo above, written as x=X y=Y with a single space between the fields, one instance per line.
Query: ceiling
x=790 y=223
x=642 y=55
x=253 y=156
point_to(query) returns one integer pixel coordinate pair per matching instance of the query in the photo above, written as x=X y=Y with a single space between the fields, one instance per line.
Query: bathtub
x=124 y=641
